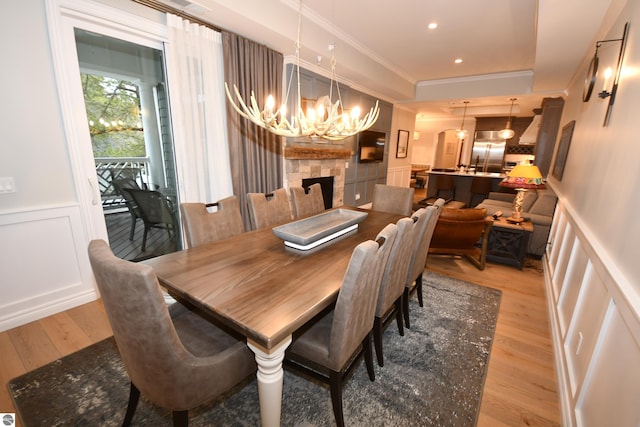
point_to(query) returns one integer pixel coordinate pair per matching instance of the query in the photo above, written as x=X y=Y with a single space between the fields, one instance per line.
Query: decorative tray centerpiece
x=307 y=233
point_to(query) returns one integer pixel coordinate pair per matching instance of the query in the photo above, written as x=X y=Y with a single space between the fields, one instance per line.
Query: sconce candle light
x=593 y=72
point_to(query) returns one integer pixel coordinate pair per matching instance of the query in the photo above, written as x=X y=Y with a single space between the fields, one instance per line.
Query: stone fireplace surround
x=314 y=161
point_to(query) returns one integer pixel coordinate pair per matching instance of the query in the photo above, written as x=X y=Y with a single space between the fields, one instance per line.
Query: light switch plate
x=7 y=185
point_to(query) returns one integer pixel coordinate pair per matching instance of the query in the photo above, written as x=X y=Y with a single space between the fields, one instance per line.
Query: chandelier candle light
x=326 y=120
x=522 y=178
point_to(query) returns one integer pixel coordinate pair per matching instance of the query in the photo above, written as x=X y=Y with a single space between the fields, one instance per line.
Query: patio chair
x=156 y=211
x=122 y=186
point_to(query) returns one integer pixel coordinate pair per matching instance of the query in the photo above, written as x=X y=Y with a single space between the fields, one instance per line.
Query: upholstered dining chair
x=202 y=226
x=177 y=359
x=396 y=200
x=331 y=346
x=155 y=210
x=389 y=304
x=419 y=255
x=267 y=210
x=307 y=203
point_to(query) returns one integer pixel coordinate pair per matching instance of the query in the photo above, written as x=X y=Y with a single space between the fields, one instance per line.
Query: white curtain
x=195 y=73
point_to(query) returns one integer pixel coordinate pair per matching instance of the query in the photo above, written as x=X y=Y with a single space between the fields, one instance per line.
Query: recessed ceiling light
x=432 y=25
x=458 y=61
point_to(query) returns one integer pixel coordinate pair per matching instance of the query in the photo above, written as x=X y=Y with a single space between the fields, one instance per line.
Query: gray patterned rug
x=434 y=375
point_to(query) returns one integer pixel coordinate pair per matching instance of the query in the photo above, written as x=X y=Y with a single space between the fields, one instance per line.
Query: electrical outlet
x=7 y=185
x=346 y=165
x=357 y=196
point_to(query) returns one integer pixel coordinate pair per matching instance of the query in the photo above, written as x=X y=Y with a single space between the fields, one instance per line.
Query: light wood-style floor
x=520 y=388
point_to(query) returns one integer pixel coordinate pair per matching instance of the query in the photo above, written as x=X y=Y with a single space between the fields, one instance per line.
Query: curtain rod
x=154 y=4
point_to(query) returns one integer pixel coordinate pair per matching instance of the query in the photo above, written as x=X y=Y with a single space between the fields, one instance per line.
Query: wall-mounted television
x=371 y=146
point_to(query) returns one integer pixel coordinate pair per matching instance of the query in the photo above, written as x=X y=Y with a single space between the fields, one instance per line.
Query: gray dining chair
x=427 y=217
x=391 y=199
x=202 y=226
x=267 y=210
x=176 y=358
x=306 y=203
x=330 y=347
x=392 y=284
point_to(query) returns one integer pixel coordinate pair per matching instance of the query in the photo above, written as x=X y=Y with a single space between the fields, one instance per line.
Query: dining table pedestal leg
x=270 y=376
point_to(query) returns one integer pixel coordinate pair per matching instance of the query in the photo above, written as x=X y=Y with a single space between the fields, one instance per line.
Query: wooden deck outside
x=118 y=227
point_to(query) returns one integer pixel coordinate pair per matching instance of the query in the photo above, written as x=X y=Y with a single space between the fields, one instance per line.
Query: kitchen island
x=462 y=181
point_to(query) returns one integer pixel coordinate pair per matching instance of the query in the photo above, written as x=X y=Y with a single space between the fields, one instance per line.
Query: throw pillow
x=544 y=205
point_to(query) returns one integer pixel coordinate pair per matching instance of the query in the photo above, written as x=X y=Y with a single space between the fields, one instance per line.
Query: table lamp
x=523 y=177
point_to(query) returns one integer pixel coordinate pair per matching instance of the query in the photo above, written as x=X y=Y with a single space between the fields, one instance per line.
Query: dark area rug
x=434 y=375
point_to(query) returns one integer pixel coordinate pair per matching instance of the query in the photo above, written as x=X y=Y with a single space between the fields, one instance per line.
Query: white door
x=68 y=19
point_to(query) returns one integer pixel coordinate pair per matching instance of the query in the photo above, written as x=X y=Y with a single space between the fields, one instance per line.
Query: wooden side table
x=508 y=242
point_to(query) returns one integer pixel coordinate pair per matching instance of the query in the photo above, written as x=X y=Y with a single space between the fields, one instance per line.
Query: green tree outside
x=115 y=122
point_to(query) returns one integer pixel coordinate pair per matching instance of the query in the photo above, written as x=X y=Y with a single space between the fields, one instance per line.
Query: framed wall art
x=403 y=144
x=563 y=149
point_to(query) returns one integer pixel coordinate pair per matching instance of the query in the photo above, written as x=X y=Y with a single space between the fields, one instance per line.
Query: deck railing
x=108 y=168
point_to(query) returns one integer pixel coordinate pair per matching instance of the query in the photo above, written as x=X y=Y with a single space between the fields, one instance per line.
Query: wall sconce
x=592 y=73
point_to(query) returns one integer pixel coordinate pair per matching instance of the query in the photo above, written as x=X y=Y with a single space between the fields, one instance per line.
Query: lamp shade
x=524 y=176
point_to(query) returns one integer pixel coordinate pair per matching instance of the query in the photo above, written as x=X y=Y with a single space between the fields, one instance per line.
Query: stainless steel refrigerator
x=488 y=152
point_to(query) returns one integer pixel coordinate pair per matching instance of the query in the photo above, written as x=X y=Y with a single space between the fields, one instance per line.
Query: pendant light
x=462 y=133
x=507 y=132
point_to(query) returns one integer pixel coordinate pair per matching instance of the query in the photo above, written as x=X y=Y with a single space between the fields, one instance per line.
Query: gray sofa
x=538 y=207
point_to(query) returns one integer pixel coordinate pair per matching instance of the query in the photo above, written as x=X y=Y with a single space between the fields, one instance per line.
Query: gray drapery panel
x=255 y=154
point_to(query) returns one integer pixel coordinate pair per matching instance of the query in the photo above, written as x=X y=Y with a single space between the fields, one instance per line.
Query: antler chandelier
x=326 y=119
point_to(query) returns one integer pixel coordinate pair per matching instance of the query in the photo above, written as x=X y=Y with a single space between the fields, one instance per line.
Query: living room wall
x=601 y=177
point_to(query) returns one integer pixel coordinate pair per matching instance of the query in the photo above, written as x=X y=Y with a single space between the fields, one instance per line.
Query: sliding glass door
x=124 y=91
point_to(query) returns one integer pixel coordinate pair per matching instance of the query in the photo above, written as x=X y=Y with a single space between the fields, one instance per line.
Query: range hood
x=530 y=135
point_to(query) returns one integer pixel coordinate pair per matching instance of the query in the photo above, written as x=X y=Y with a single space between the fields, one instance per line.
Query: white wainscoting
x=44 y=264
x=399 y=177
x=595 y=325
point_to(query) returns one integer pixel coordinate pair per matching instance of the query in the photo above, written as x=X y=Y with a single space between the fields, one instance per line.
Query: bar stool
x=445 y=188
x=446 y=185
x=480 y=189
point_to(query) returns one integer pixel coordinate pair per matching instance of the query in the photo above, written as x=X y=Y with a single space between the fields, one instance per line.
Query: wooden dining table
x=264 y=290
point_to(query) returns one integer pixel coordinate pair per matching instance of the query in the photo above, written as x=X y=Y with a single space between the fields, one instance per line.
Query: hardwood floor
x=520 y=388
